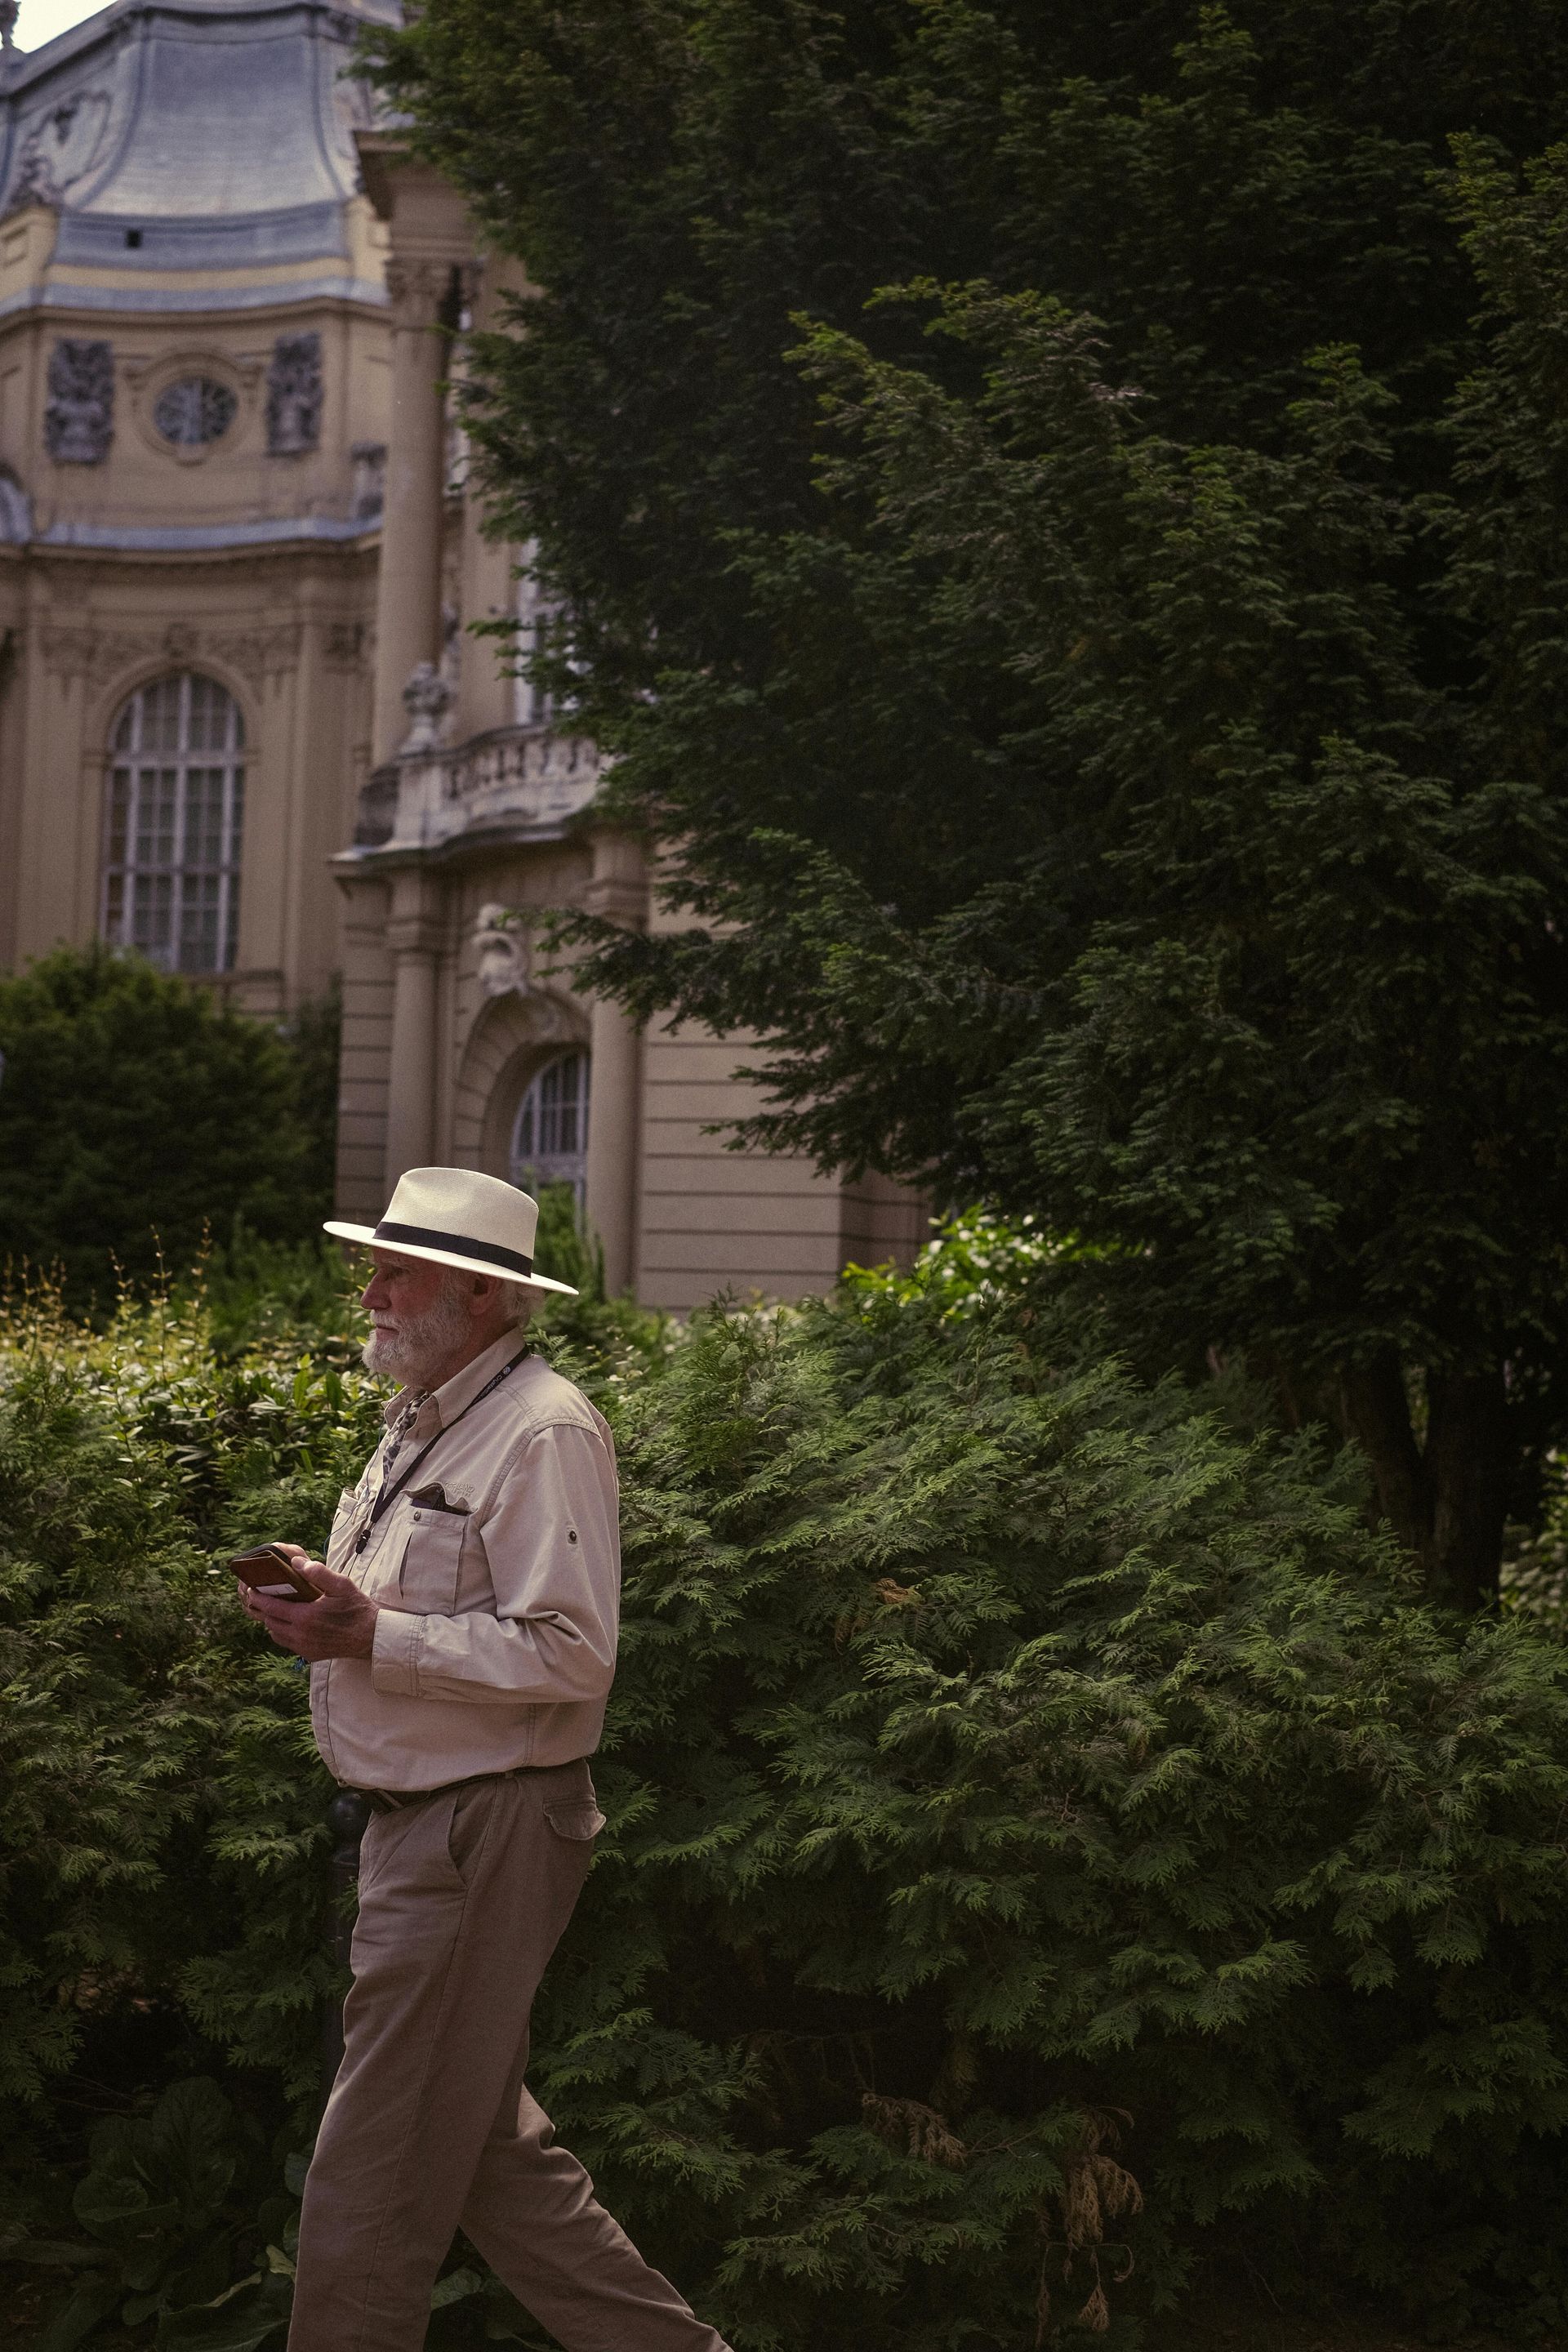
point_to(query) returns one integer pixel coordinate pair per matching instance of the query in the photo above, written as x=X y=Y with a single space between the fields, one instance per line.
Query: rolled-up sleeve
x=551 y=1538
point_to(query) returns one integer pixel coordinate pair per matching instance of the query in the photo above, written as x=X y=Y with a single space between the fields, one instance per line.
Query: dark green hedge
x=139 y=1112
x=1045 y=1844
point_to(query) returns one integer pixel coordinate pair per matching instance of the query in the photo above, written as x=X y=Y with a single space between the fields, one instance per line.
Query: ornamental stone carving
x=96 y=653
x=343 y=644
x=79 y=422
x=501 y=944
x=418 y=291
x=16 y=511
x=256 y=654
x=369 y=480
x=59 y=146
x=33 y=184
x=427 y=697
x=294 y=395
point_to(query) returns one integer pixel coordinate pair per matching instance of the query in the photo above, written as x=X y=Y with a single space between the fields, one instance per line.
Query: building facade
x=245 y=725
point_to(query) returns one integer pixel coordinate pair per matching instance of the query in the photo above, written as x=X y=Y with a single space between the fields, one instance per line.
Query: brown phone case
x=267 y=1567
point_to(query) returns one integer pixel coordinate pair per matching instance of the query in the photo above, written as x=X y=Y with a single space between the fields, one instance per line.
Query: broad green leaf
x=188 y=2143
x=236 y=2326
x=90 y=2301
x=122 y=2213
x=67 y=2252
x=455 y=2288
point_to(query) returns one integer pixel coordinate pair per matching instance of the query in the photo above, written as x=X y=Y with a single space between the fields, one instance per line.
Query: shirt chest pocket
x=345 y=1527
x=428 y=1570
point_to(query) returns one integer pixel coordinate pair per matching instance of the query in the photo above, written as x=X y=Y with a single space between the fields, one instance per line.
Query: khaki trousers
x=429 y=2126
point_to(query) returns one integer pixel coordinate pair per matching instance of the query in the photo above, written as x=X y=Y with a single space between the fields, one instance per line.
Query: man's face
x=421 y=1316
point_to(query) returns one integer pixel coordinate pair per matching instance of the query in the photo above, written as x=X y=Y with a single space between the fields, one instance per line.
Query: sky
x=40 y=20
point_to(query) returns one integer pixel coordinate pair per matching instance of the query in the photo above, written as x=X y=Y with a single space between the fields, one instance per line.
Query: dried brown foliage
x=1095 y=2190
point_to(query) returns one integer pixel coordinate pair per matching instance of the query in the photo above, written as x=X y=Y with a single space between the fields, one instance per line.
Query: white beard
x=420 y=1345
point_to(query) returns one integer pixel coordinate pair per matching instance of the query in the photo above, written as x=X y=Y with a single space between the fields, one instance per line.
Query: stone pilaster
x=414 y=937
x=408 y=589
x=619 y=890
x=431 y=260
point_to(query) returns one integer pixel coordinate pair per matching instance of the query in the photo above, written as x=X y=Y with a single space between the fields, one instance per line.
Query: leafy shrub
x=135 y=1108
x=1046 y=1843
x=157 y=2199
x=1535 y=1573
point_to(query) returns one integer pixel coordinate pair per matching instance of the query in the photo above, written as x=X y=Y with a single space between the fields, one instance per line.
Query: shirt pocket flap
x=432 y=1556
x=574 y=1816
x=343 y=1527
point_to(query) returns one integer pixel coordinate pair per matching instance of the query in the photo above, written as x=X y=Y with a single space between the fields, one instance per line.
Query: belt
x=396 y=1801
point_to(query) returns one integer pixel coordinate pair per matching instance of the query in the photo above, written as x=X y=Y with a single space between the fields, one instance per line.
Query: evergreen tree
x=1038 y=522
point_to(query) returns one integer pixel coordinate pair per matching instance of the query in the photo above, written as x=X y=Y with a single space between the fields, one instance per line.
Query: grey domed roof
x=189 y=134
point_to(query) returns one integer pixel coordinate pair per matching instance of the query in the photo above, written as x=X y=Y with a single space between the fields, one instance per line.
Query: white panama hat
x=457 y=1217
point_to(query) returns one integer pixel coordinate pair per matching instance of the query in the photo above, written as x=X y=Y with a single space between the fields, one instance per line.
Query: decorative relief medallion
x=79 y=422
x=59 y=145
x=294 y=395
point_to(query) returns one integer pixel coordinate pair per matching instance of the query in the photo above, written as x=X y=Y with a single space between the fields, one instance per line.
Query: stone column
x=367 y=1042
x=408 y=586
x=619 y=890
x=413 y=936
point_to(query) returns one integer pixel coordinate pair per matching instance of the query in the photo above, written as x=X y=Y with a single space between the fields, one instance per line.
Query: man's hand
x=341 y=1624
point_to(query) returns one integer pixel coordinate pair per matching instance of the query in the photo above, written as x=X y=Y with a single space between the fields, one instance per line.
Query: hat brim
x=366 y=1234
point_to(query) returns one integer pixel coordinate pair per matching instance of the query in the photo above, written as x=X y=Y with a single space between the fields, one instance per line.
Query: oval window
x=194 y=410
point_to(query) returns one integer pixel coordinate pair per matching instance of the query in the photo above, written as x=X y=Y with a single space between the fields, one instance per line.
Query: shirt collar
x=451 y=1399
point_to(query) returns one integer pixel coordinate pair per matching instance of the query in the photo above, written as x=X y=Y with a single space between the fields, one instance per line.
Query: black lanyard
x=388 y=1495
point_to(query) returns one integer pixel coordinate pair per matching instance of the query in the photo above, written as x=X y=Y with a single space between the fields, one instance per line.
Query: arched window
x=176 y=807
x=549 y=1139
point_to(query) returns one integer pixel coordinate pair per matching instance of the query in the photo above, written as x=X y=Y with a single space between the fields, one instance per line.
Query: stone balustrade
x=519 y=779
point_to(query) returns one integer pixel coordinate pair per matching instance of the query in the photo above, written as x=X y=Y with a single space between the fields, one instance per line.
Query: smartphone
x=269 y=1569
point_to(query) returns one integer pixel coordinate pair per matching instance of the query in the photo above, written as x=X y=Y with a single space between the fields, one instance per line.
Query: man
x=460 y=1653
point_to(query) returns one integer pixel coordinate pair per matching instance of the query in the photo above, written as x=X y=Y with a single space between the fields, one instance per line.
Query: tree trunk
x=1445 y=1500
x=1376 y=1413
x=1467 y=1476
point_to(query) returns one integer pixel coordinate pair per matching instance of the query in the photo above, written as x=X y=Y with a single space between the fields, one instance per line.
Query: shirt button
x=416 y=1517
x=571 y=1535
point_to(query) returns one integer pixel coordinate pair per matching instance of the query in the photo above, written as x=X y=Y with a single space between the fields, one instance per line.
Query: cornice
x=64 y=306
x=290 y=555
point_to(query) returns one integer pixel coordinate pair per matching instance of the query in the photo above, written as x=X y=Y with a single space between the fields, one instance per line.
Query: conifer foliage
x=1049 y=1843
x=1057 y=511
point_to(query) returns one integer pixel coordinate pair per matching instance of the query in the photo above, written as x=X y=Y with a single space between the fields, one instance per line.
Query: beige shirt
x=498 y=1572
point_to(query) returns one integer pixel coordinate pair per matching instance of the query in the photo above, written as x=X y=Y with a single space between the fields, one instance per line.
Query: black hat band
x=506 y=1261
